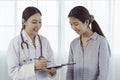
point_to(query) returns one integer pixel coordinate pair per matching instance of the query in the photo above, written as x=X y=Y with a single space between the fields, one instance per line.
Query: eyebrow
x=75 y=22
x=34 y=20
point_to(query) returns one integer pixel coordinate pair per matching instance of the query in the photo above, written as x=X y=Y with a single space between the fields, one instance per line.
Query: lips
x=35 y=29
x=77 y=31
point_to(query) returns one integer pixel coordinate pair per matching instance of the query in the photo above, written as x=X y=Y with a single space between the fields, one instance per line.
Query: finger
x=44 y=59
x=44 y=69
x=52 y=70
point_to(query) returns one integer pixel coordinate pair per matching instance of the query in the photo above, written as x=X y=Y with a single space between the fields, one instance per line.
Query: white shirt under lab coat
x=18 y=69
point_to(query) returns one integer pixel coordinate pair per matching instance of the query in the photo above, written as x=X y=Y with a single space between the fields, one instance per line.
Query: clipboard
x=61 y=65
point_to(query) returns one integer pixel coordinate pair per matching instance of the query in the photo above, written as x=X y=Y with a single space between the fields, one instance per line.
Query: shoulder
x=98 y=38
x=104 y=45
x=14 y=43
x=102 y=39
x=15 y=40
x=75 y=41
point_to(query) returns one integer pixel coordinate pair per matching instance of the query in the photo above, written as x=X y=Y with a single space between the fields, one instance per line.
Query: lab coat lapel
x=37 y=47
x=37 y=42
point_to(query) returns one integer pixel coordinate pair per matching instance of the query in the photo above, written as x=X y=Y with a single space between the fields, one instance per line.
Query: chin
x=78 y=33
x=36 y=33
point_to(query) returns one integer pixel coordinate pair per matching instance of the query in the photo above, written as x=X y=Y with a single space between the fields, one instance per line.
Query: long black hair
x=82 y=14
x=28 y=12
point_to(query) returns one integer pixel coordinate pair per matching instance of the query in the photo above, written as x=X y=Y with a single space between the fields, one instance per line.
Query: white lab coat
x=20 y=70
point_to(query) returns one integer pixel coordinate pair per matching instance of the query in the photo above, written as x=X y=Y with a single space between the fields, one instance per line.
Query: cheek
x=83 y=29
x=30 y=25
x=40 y=25
x=82 y=26
x=79 y=27
x=73 y=27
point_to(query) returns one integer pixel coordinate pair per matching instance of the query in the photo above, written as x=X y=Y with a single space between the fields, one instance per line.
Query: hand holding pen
x=41 y=64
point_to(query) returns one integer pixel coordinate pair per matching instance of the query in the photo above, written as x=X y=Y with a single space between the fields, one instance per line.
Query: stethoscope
x=24 y=42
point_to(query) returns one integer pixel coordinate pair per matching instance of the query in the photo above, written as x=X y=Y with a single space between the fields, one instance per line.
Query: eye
x=70 y=24
x=40 y=22
x=76 y=24
x=34 y=22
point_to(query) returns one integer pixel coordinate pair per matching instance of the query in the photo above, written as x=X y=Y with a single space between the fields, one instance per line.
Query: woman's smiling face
x=33 y=24
x=77 y=25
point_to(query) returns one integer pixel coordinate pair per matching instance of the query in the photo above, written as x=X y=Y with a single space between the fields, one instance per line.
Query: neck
x=32 y=37
x=87 y=34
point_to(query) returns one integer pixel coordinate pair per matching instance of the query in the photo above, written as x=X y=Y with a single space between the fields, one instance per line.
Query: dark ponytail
x=95 y=28
x=82 y=14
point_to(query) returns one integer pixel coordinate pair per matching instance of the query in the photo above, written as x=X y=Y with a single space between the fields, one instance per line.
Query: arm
x=70 y=75
x=15 y=70
x=104 y=60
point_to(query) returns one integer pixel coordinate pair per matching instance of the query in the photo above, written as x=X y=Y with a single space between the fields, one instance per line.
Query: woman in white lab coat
x=90 y=51
x=29 y=54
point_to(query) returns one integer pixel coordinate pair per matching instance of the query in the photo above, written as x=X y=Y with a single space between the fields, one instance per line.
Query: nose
x=38 y=25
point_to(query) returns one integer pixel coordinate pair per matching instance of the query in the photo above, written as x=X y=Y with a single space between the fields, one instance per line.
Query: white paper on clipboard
x=60 y=65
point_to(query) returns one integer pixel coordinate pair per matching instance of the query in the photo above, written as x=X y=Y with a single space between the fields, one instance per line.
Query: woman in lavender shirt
x=90 y=51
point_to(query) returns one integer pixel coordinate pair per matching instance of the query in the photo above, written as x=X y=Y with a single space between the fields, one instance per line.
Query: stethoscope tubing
x=24 y=42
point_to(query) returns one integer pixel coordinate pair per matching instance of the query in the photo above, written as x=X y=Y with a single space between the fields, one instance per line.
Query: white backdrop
x=57 y=29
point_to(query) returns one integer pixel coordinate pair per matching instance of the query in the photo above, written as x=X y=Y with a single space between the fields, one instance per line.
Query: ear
x=23 y=21
x=87 y=22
